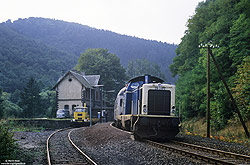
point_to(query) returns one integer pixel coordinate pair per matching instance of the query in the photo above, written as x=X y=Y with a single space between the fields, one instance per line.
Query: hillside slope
x=74 y=39
x=22 y=58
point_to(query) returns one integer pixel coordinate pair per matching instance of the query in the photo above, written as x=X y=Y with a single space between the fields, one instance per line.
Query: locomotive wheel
x=134 y=137
x=119 y=124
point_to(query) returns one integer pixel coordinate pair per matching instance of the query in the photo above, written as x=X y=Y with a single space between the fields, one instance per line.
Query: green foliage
x=9 y=109
x=225 y=23
x=242 y=88
x=1 y=105
x=239 y=39
x=7 y=143
x=143 y=66
x=75 y=39
x=31 y=100
x=22 y=58
x=105 y=64
x=48 y=98
x=16 y=126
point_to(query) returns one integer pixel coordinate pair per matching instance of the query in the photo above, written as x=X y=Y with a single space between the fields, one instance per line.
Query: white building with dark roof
x=73 y=90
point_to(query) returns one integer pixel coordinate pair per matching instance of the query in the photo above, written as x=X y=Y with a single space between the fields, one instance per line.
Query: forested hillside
x=74 y=38
x=225 y=23
x=22 y=58
x=35 y=52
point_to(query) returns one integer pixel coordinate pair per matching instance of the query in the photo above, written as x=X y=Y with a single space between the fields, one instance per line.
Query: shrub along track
x=62 y=150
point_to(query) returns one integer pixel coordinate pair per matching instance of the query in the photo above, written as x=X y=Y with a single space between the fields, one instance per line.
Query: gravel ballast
x=33 y=146
x=107 y=145
x=216 y=144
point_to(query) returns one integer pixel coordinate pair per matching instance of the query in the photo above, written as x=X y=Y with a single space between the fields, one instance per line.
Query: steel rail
x=79 y=150
x=196 y=147
x=189 y=153
x=48 y=155
x=211 y=150
x=111 y=124
x=72 y=143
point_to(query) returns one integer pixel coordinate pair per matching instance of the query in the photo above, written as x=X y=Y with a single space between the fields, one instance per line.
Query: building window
x=66 y=107
x=73 y=107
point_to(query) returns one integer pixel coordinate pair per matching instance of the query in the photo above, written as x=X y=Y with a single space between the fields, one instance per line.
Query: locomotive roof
x=142 y=78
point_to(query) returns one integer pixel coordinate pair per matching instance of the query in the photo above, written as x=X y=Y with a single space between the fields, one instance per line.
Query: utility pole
x=90 y=108
x=208 y=91
x=209 y=52
x=231 y=96
x=208 y=86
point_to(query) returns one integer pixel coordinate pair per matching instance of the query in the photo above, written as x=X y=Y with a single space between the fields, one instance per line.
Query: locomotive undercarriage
x=155 y=127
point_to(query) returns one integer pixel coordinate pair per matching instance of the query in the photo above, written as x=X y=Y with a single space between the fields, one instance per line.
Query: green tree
x=239 y=39
x=31 y=100
x=105 y=64
x=9 y=109
x=8 y=146
x=1 y=106
x=225 y=23
x=143 y=66
x=48 y=98
x=242 y=89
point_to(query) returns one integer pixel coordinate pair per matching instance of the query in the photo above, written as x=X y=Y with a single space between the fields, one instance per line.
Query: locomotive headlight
x=173 y=110
x=144 y=109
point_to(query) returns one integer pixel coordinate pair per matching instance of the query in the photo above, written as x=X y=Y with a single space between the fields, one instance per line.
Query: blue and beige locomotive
x=146 y=106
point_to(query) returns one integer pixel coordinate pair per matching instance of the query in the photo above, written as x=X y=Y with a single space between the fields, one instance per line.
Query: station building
x=73 y=89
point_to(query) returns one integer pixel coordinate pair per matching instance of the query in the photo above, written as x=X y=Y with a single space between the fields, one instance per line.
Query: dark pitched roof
x=87 y=81
x=82 y=79
x=93 y=79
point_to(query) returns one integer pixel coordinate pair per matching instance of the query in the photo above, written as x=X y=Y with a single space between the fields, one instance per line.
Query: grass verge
x=231 y=133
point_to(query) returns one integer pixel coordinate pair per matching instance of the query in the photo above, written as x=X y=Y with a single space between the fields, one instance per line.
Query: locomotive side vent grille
x=159 y=102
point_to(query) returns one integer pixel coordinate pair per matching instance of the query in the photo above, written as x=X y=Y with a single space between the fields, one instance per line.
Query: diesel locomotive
x=146 y=107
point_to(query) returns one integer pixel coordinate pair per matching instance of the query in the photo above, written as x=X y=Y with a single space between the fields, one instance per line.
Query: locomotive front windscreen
x=159 y=102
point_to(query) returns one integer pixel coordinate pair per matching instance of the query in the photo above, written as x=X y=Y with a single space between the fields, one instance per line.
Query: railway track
x=201 y=153
x=205 y=154
x=62 y=150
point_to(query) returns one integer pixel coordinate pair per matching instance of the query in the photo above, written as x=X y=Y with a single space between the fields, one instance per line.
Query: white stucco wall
x=69 y=92
x=69 y=89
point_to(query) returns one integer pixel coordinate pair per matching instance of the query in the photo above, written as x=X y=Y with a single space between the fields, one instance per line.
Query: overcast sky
x=161 y=20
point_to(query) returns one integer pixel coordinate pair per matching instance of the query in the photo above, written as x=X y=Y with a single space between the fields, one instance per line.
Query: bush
x=8 y=146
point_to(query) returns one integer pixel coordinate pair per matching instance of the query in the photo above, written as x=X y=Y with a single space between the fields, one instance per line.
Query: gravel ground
x=107 y=145
x=62 y=152
x=33 y=146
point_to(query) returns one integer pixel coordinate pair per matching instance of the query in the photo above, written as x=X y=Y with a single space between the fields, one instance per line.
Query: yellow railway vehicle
x=81 y=114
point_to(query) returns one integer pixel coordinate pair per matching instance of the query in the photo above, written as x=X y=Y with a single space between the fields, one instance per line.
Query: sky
x=161 y=20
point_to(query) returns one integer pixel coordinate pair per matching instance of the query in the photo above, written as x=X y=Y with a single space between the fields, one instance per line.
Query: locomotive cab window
x=159 y=102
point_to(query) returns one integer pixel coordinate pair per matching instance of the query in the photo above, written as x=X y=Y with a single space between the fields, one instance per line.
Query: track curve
x=201 y=153
x=62 y=150
x=205 y=154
